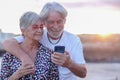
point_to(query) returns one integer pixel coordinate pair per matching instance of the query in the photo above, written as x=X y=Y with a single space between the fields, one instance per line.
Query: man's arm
x=11 y=45
x=78 y=69
x=65 y=61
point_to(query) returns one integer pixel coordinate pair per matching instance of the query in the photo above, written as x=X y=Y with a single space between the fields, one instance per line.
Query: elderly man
x=71 y=63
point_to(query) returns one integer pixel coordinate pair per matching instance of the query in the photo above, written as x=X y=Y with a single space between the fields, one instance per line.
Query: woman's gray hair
x=28 y=19
x=52 y=6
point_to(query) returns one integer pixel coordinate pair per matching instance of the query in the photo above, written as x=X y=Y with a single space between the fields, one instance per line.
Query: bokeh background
x=96 y=22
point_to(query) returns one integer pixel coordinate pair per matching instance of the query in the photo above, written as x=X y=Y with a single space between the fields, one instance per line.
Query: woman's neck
x=30 y=45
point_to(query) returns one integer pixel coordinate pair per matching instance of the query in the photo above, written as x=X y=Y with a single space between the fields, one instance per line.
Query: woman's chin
x=37 y=38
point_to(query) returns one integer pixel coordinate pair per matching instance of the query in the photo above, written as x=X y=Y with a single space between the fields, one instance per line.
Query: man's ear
x=64 y=20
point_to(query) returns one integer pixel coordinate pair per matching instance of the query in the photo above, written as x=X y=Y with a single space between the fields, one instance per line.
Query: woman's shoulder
x=8 y=57
x=44 y=48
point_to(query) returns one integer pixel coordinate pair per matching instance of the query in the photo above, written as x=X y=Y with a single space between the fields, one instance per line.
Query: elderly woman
x=12 y=68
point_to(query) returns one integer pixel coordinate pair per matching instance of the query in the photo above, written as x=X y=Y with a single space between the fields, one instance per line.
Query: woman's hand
x=23 y=70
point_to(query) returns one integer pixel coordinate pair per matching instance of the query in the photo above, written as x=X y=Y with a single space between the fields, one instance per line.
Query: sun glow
x=105 y=35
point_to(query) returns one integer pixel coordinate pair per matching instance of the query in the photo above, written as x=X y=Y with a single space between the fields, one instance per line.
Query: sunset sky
x=84 y=16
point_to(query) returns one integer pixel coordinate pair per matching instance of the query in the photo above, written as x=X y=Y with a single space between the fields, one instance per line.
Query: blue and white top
x=45 y=69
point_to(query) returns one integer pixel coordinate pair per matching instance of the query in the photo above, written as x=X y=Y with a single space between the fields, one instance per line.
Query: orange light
x=104 y=35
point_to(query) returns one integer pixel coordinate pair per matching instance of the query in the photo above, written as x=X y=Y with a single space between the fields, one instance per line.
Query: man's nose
x=56 y=24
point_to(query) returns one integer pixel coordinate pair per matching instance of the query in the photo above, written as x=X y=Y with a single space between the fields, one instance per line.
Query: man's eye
x=60 y=21
x=50 y=22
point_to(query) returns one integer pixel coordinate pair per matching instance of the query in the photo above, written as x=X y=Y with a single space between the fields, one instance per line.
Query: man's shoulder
x=70 y=35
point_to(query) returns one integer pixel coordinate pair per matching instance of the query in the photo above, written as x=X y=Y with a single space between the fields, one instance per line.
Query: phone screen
x=60 y=49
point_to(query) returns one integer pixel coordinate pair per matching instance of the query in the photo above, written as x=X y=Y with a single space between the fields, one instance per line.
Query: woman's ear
x=22 y=30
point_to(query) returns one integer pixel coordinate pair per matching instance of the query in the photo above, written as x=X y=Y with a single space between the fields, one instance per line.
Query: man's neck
x=54 y=38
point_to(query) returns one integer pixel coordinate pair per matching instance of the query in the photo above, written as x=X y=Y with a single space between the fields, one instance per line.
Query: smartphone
x=60 y=49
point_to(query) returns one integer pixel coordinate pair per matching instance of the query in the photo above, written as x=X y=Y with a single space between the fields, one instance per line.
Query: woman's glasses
x=36 y=27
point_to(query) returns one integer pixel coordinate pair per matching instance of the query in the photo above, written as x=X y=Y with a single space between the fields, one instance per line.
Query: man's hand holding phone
x=60 y=49
x=59 y=58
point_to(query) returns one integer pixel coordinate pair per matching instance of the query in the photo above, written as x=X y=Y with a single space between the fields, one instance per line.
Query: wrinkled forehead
x=54 y=15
